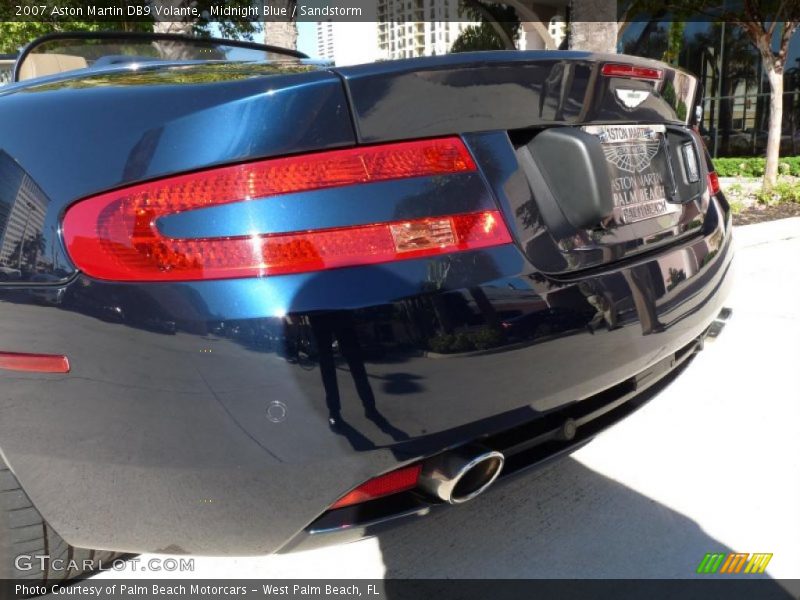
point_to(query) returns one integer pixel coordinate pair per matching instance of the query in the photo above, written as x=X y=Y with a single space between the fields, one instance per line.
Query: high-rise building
x=23 y=206
x=325 y=40
x=409 y=28
x=348 y=43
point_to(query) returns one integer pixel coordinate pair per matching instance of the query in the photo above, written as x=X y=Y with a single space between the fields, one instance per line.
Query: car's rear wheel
x=29 y=548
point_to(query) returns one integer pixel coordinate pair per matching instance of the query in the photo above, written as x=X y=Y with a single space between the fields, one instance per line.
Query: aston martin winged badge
x=631 y=98
x=632 y=157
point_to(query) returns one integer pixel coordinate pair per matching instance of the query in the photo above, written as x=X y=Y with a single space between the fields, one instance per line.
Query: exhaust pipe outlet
x=461 y=474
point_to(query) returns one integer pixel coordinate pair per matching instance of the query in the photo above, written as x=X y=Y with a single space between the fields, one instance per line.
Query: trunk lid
x=603 y=142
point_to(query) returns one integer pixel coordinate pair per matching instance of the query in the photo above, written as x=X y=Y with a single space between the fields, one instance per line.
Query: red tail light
x=115 y=236
x=39 y=363
x=631 y=71
x=713 y=183
x=390 y=483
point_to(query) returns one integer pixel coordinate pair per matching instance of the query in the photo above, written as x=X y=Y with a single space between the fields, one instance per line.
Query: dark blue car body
x=195 y=415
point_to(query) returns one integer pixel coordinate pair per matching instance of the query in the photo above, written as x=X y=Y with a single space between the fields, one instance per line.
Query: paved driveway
x=711 y=464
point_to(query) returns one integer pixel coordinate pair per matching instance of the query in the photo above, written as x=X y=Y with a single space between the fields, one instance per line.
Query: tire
x=23 y=531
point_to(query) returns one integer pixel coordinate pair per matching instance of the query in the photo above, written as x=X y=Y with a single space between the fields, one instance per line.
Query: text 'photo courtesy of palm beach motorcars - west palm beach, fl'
x=277 y=276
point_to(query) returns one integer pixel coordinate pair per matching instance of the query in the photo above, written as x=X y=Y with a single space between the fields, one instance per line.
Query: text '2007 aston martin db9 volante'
x=252 y=303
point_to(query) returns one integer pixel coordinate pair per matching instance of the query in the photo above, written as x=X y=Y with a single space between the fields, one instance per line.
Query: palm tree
x=498 y=29
x=27 y=252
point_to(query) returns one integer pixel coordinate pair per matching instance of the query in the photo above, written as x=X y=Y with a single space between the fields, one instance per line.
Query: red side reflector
x=114 y=236
x=40 y=363
x=713 y=183
x=631 y=71
x=390 y=483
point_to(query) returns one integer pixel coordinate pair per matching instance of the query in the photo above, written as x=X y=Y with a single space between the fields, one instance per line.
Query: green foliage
x=482 y=339
x=448 y=343
x=485 y=35
x=237 y=29
x=758 y=11
x=674 y=42
x=189 y=75
x=736 y=196
x=767 y=25
x=782 y=192
x=671 y=98
x=736 y=205
x=16 y=34
x=739 y=167
x=487 y=338
x=754 y=166
x=735 y=189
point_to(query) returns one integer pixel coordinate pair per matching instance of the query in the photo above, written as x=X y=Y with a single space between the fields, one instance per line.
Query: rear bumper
x=195 y=422
x=527 y=447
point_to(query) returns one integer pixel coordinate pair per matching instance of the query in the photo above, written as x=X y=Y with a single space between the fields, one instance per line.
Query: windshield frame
x=143 y=36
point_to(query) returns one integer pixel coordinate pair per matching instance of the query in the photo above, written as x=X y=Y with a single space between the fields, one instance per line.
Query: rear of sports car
x=248 y=309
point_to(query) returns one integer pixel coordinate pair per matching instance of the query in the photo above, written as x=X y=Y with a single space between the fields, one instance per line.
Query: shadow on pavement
x=563 y=522
x=566 y=521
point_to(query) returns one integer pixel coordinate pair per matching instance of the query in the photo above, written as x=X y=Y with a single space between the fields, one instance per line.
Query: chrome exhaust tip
x=462 y=474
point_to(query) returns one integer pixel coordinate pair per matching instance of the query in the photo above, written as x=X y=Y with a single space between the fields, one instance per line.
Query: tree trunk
x=172 y=50
x=282 y=34
x=775 y=77
x=593 y=25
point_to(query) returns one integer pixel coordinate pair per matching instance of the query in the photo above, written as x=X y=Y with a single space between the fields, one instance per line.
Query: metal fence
x=736 y=125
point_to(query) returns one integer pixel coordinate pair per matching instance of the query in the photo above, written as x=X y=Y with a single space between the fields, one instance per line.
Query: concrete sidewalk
x=710 y=465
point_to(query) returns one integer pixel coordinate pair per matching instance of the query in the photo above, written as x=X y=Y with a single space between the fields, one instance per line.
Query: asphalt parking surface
x=712 y=464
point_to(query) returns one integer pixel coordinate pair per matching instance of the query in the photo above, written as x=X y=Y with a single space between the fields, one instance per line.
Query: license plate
x=638 y=169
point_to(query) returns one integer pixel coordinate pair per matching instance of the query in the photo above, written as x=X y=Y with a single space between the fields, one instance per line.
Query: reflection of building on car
x=22 y=216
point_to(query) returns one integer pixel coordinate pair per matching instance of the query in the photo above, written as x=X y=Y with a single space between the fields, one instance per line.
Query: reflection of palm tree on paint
x=28 y=250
